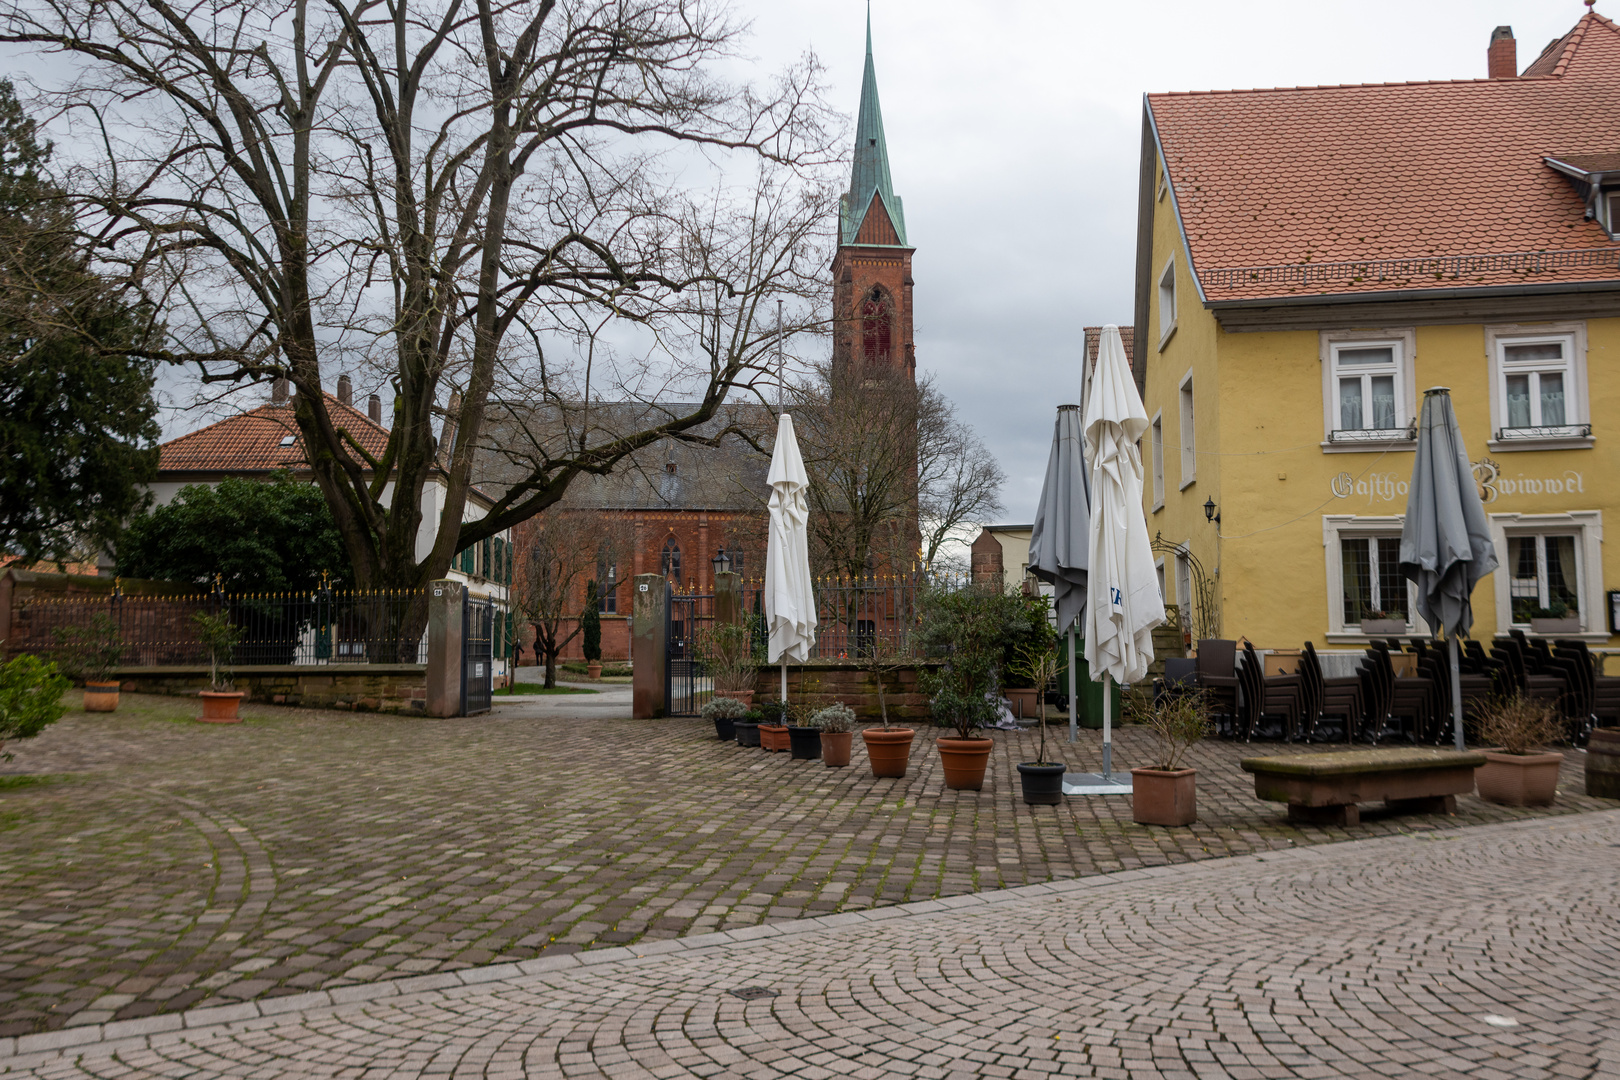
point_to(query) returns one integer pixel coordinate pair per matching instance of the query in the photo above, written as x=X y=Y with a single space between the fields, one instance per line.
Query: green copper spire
x=871 y=171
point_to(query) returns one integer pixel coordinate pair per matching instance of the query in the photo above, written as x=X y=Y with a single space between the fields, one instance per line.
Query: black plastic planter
x=806 y=742
x=1043 y=783
x=747 y=733
x=725 y=728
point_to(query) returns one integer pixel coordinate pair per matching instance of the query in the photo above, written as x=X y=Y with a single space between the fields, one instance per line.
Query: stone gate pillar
x=445 y=600
x=649 y=645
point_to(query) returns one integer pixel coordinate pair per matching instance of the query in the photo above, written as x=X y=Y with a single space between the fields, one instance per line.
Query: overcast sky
x=1013 y=131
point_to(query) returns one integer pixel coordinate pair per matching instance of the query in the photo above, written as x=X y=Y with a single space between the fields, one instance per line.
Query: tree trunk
x=551 y=668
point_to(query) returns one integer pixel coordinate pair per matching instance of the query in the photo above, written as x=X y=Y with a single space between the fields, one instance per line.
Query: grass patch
x=540 y=688
x=12 y=783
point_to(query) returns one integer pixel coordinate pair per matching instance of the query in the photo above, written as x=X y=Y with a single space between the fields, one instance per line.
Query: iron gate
x=477 y=656
x=687 y=686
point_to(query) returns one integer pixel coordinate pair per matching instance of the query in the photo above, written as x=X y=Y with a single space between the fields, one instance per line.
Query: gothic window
x=876 y=328
x=671 y=561
x=607 y=588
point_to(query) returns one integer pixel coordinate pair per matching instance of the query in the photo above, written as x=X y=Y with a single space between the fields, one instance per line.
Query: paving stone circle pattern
x=150 y=865
x=1480 y=953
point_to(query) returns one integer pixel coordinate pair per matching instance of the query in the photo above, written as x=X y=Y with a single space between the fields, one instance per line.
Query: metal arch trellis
x=1206 y=622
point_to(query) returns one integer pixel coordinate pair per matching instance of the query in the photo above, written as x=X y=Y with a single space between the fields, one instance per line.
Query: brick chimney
x=278 y=392
x=345 y=391
x=374 y=410
x=1502 y=59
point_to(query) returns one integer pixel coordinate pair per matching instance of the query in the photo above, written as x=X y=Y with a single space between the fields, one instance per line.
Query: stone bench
x=1323 y=789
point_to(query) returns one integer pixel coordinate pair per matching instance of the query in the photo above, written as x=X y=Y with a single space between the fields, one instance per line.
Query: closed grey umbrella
x=1445 y=541
x=1058 y=544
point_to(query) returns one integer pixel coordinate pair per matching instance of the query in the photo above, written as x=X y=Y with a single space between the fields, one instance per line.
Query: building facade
x=1310 y=261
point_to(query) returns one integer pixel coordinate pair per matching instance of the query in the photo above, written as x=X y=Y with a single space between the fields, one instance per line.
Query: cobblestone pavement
x=1486 y=953
x=150 y=865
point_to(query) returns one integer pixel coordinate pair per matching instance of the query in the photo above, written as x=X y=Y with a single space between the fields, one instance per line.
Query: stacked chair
x=1217 y=677
x=1601 y=692
x=1282 y=698
x=1413 y=702
x=1344 y=698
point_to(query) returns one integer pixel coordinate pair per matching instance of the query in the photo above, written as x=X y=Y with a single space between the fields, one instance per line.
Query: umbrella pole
x=1456 y=693
x=784 y=679
x=1108 y=729
x=1074 y=735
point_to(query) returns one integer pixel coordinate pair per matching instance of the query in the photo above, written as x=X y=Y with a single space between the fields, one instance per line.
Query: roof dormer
x=1596 y=178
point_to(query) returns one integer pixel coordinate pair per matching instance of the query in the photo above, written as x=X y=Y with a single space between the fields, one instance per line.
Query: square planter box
x=1383 y=627
x=1570 y=624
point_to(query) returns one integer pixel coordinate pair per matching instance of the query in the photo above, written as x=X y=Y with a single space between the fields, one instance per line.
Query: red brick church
x=684 y=503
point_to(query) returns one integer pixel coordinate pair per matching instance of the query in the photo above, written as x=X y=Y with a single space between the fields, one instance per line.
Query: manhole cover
x=753 y=993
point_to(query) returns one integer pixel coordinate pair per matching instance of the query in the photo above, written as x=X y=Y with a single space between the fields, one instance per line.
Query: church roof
x=869 y=177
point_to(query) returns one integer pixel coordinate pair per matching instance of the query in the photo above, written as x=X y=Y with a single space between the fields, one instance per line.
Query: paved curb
x=23 y=1051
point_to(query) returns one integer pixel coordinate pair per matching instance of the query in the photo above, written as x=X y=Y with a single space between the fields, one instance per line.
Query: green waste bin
x=1088 y=712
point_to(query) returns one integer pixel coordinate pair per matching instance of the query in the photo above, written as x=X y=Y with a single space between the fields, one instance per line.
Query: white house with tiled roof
x=265 y=440
x=1309 y=261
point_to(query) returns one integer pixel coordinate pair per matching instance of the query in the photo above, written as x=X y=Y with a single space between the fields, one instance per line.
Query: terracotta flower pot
x=744 y=696
x=747 y=732
x=964 y=761
x=774 y=737
x=835 y=748
x=1026 y=702
x=593 y=669
x=1042 y=782
x=219 y=707
x=888 y=752
x=100 y=696
x=1519 y=779
x=1160 y=797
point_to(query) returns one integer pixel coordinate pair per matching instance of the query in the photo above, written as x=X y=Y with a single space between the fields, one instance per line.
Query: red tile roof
x=252 y=442
x=1127 y=337
x=1339 y=189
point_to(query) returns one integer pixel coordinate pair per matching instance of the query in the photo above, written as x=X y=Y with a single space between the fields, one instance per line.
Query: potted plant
x=30 y=698
x=219 y=636
x=729 y=659
x=1519 y=770
x=967 y=629
x=1166 y=792
x=725 y=712
x=1042 y=780
x=1555 y=618
x=590 y=632
x=1036 y=634
x=747 y=728
x=837 y=726
x=888 y=749
x=89 y=654
x=773 y=726
x=1381 y=624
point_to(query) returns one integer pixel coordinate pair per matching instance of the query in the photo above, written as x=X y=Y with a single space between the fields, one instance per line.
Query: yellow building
x=1309 y=261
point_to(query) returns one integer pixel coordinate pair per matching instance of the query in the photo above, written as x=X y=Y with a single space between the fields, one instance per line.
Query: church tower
x=872 y=270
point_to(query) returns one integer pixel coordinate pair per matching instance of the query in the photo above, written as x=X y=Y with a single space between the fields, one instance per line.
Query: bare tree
x=893 y=470
x=561 y=550
x=452 y=194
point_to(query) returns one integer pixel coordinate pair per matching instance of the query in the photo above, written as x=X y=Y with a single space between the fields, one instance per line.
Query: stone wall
x=388 y=688
x=829 y=682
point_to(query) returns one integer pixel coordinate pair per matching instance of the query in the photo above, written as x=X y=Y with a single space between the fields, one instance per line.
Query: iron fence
x=854 y=615
x=323 y=626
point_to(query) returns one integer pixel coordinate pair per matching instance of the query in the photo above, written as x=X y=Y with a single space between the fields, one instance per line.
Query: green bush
x=89 y=653
x=969 y=630
x=1036 y=637
x=30 y=697
x=835 y=718
x=590 y=626
x=219 y=637
x=724 y=708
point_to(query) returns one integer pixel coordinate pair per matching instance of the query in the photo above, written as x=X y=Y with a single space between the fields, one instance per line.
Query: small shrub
x=775 y=712
x=728 y=655
x=753 y=716
x=1177 y=721
x=835 y=718
x=89 y=653
x=219 y=637
x=590 y=626
x=30 y=697
x=723 y=708
x=1519 y=725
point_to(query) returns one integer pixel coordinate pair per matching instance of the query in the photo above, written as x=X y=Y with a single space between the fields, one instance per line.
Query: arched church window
x=671 y=561
x=876 y=328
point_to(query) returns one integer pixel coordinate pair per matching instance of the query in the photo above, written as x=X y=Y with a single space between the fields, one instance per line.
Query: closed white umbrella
x=1123 y=603
x=790 y=600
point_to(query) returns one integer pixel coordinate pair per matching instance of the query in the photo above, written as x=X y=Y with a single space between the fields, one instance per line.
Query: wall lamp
x=1210 y=511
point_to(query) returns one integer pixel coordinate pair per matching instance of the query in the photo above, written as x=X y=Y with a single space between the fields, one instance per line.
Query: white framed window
x=1157 y=438
x=1364 y=576
x=1551 y=565
x=1184 y=586
x=1167 y=301
x=1538 y=387
x=1158 y=572
x=1368 y=389
x=1188 y=434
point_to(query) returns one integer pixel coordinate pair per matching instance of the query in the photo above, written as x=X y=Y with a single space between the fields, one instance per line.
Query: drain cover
x=753 y=993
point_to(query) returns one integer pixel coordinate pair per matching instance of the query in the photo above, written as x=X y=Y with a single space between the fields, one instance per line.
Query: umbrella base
x=1090 y=783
